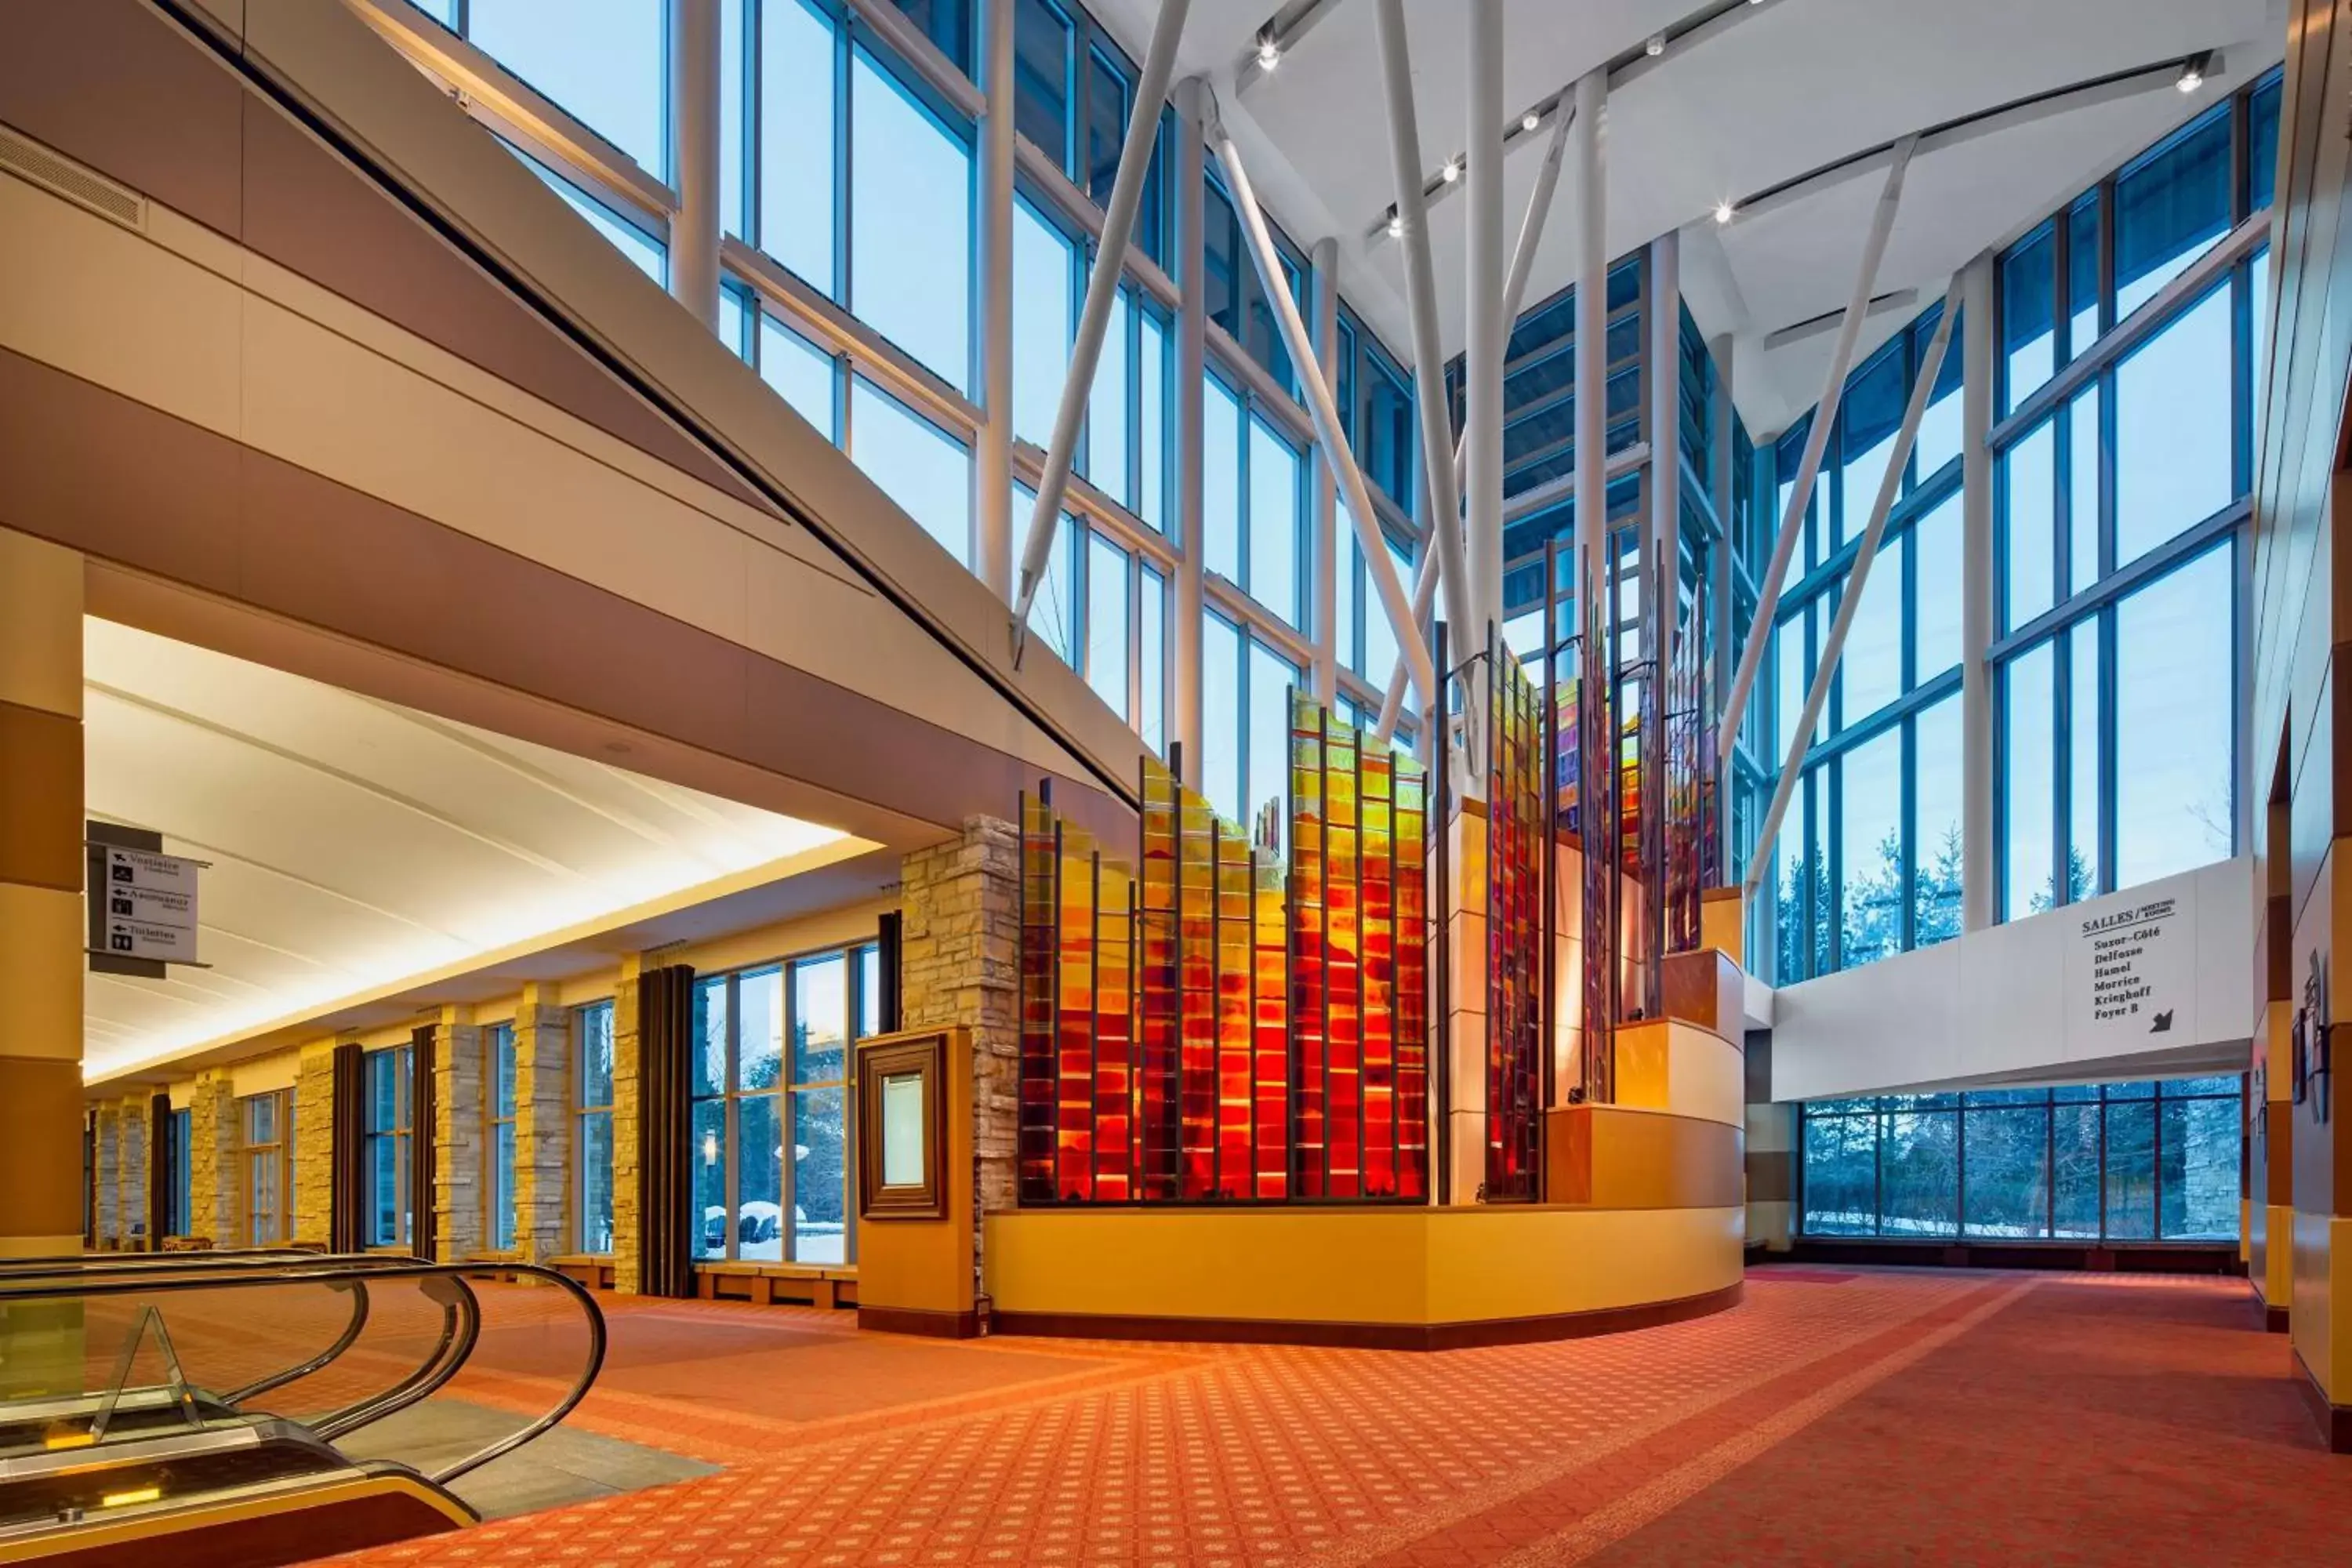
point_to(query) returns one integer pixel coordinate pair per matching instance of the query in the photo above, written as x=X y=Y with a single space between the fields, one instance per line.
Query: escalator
x=253 y=1409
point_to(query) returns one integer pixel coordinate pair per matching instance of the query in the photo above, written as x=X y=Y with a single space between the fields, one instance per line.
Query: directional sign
x=142 y=903
x=144 y=939
x=136 y=869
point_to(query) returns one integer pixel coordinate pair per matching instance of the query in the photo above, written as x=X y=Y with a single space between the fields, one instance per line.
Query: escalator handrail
x=66 y=1265
x=461 y=1330
x=332 y=1270
x=300 y=1369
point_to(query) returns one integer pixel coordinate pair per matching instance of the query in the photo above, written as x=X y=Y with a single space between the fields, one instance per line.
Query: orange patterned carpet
x=1867 y=1418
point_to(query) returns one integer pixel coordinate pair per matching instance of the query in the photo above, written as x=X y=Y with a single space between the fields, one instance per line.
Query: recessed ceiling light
x=1269 y=54
x=1451 y=172
x=1531 y=120
x=1657 y=45
x=1723 y=212
x=2191 y=78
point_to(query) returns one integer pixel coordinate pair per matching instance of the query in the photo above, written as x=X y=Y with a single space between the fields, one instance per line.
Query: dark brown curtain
x=886 y=941
x=347 y=1186
x=162 y=1161
x=421 y=1235
x=664 y=1132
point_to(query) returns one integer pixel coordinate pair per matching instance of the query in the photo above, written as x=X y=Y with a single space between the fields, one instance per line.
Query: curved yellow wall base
x=1504 y=1267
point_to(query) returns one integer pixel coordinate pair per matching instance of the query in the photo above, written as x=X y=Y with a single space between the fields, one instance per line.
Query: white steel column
x=1514 y=294
x=1482 y=423
x=694 y=157
x=992 y=474
x=1191 y=366
x=1323 y=263
x=1977 y=352
x=1442 y=555
x=1661 y=555
x=1857 y=581
x=1801 y=495
x=1591 y=375
x=1330 y=433
x=1102 y=294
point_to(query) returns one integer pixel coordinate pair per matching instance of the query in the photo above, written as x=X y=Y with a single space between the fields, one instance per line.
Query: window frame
x=584 y=1114
x=275 y=1156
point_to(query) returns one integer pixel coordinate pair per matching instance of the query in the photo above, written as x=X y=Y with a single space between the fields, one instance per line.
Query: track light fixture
x=1657 y=45
x=2192 y=73
x=1723 y=212
x=1531 y=120
x=1270 y=53
x=1451 y=172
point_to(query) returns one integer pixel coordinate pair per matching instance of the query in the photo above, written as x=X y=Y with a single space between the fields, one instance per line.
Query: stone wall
x=628 y=1085
x=133 y=1116
x=542 y=1126
x=314 y=1152
x=214 y=1172
x=960 y=965
x=461 y=1181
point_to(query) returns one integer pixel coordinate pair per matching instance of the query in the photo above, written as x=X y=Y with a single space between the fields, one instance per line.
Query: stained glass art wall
x=1222 y=1027
x=1518 y=850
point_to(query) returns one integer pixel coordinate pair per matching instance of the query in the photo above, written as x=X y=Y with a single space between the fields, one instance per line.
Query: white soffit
x=355 y=843
x=1794 y=86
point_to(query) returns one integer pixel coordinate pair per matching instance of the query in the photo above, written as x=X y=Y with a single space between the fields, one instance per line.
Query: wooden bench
x=765 y=1284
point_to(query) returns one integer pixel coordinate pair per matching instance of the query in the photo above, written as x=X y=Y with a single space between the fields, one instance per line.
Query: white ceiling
x=1792 y=86
x=356 y=844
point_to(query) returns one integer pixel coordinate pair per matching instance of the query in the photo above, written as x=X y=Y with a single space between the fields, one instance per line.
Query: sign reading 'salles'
x=2130 y=972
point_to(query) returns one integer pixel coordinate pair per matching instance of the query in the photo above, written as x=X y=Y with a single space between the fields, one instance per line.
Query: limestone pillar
x=133 y=1130
x=959 y=963
x=40 y=897
x=314 y=1144
x=628 y=1158
x=542 y=1126
x=214 y=1168
x=461 y=1180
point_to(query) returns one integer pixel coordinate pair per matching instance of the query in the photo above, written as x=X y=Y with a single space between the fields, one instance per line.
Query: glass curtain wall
x=2151 y=1160
x=592 y=1030
x=2121 y=473
x=2121 y=515
x=848 y=210
x=498 y=1071
x=390 y=1086
x=772 y=1113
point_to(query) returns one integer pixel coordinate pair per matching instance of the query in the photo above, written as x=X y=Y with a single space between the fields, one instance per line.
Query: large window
x=385 y=1150
x=2120 y=1161
x=593 y=1087
x=605 y=61
x=266 y=1134
x=499 y=1102
x=771 y=1105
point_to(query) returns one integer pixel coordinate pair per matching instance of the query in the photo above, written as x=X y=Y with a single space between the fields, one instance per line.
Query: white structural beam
x=1192 y=371
x=1442 y=556
x=1801 y=493
x=694 y=155
x=1323 y=268
x=993 y=473
x=1857 y=581
x=1514 y=294
x=1482 y=369
x=1102 y=293
x=1977 y=351
x=1662 y=557
x=1593 y=606
x=1331 y=431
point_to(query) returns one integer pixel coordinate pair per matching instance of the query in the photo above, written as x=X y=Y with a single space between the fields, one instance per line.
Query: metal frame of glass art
x=1518 y=930
x=1222 y=1028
